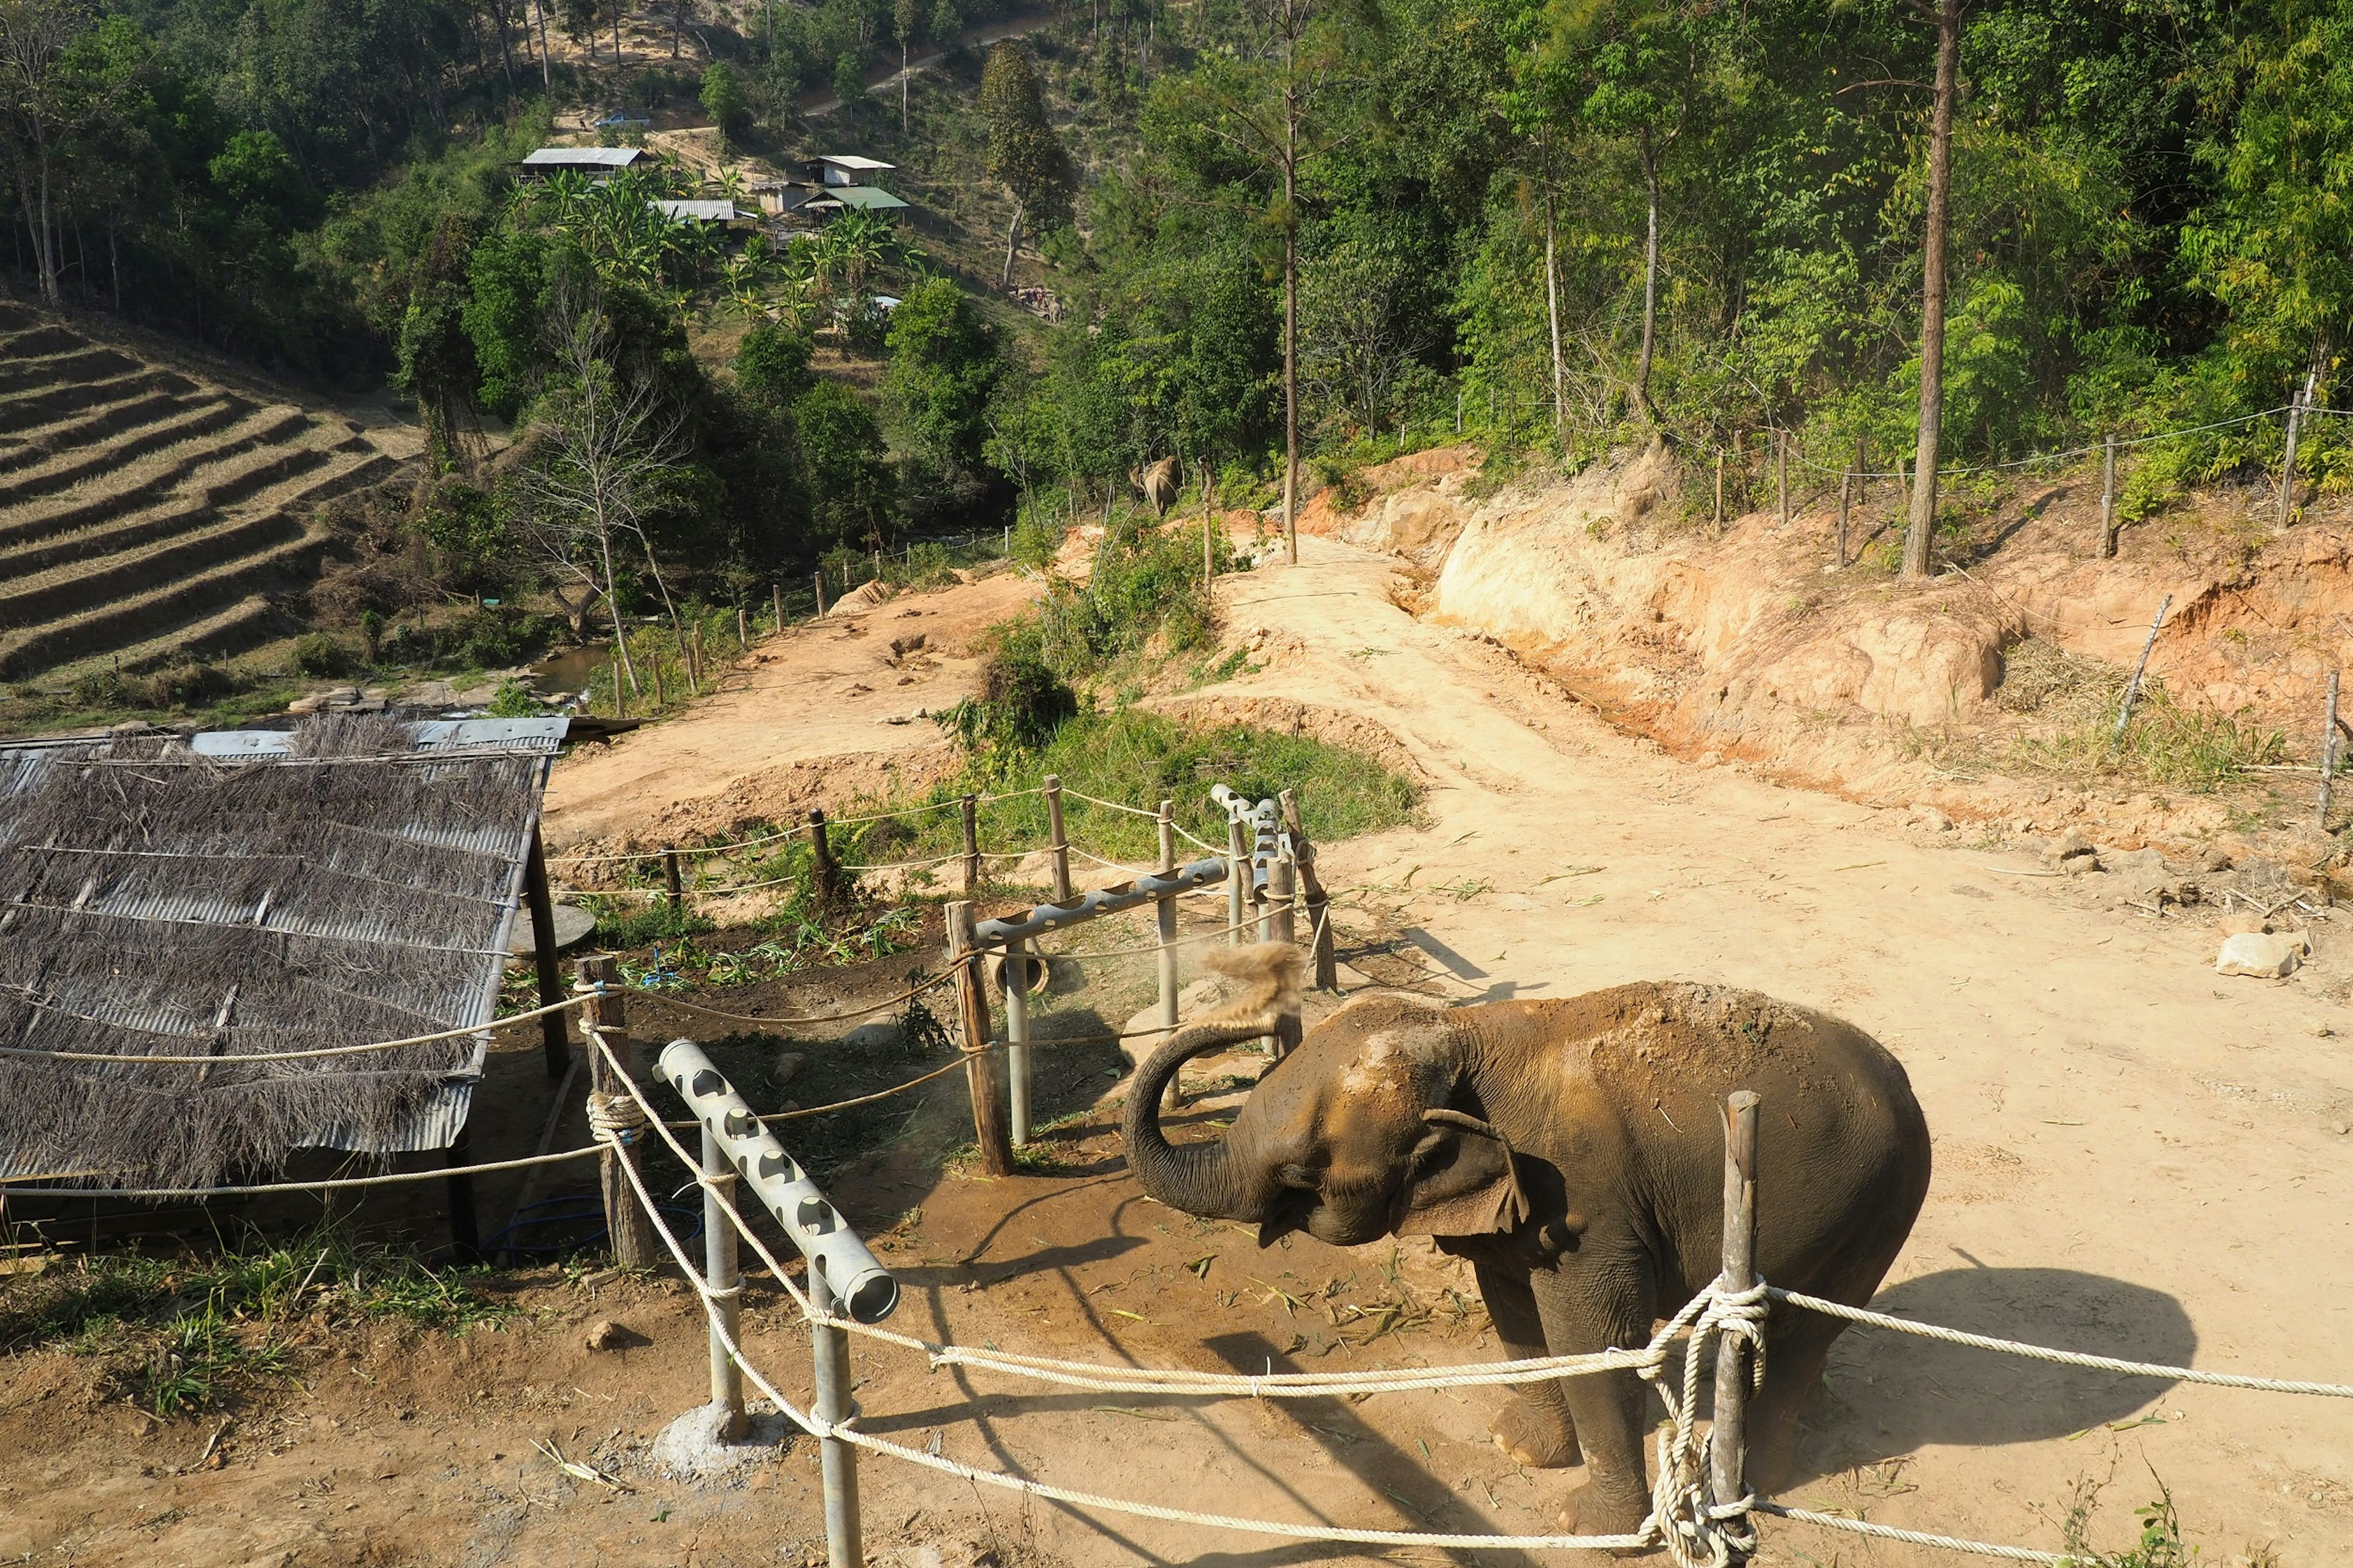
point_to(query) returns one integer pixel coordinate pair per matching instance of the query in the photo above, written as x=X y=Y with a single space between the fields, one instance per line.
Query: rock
x=605 y=1334
x=2213 y=859
x=1929 y=817
x=2264 y=956
x=2077 y=865
x=787 y=1063
x=2070 y=844
x=881 y=1036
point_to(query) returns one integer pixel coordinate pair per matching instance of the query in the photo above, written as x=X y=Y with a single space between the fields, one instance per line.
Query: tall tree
x=1921 y=533
x=41 y=105
x=1025 y=155
x=906 y=17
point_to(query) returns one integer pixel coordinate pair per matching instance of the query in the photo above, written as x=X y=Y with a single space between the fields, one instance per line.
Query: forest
x=1552 y=226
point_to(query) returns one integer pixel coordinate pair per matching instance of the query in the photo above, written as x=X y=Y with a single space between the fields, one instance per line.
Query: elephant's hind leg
x=1534 y=1426
x=1795 y=1352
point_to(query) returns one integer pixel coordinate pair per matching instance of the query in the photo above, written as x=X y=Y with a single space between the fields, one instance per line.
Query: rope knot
x=616 y=1119
x=1697 y=1532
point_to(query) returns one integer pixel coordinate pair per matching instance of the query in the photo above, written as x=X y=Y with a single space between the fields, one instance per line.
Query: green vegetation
x=175 y=1335
x=2071 y=702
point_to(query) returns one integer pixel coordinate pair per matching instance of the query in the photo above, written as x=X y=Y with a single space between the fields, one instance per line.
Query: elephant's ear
x=1465 y=1181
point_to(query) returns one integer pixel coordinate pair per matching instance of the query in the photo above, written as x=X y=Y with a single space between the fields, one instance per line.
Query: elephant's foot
x=1596 y=1509
x=1534 y=1436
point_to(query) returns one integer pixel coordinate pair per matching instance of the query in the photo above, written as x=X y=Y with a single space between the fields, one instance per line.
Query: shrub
x=320 y=655
x=1021 y=702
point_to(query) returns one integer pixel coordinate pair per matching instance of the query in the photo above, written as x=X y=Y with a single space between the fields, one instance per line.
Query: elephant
x=1157 y=481
x=1572 y=1151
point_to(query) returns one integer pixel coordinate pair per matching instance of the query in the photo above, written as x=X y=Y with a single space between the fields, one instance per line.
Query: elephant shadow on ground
x=1890 y=1393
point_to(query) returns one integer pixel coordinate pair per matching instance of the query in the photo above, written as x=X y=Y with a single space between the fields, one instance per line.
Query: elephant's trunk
x=1199 y=1178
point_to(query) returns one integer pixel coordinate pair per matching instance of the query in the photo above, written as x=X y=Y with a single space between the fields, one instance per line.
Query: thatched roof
x=350 y=882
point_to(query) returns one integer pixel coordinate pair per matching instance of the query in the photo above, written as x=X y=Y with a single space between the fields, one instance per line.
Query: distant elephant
x=1158 y=483
x=1573 y=1151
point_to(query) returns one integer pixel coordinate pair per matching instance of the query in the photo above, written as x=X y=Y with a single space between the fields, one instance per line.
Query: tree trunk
x=1649 y=278
x=547 y=67
x=1291 y=324
x=1921 y=534
x=1012 y=239
x=677 y=24
x=1552 y=302
x=902 y=87
x=45 y=251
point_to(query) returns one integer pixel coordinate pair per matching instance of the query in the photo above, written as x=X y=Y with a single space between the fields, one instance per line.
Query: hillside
x=149 y=513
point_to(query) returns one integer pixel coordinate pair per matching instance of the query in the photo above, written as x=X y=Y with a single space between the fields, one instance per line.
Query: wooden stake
x=777 y=599
x=1781 y=473
x=968 y=809
x=1846 y=503
x=1728 y=1438
x=1318 y=901
x=1209 y=558
x=661 y=699
x=630 y=1228
x=2327 y=751
x=817 y=580
x=1719 y=489
x=670 y=879
x=2132 y=688
x=2295 y=407
x=1059 y=842
x=2107 y=498
x=742 y=630
x=552 y=1037
x=980 y=1075
x=824 y=872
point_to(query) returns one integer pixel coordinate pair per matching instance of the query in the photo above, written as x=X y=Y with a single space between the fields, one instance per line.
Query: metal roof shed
x=871 y=198
x=691 y=211
x=550 y=158
x=243 y=893
x=847 y=168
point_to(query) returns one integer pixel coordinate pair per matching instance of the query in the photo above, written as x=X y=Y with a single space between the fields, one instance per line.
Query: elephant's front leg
x=1588 y=1306
x=1534 y=1426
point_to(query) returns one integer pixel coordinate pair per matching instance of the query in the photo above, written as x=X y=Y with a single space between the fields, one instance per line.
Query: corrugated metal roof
x=165 y=897
x=693 y=211
x=871 y=198
x=583 y=157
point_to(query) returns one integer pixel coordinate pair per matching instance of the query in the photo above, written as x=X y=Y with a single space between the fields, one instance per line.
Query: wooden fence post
x=671 y=881
x=1781 y=473
x=776 y=601
x=742 y=630
x=823 y=871
x=1728 y=1439
x=968 y=808
x=620 y=693
x=1058 y=841
x=1318 y=900
x=2295 y=407
x=2327 y=751
x=817 y=580
x=552 y=1037
x=629 y=1227
x=1846 y=503
x=988 y=1129
x=661 y=698
x=1719 y=489
x=2107 y=498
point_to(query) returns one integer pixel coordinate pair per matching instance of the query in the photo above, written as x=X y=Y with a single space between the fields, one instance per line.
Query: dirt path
x=822 y=710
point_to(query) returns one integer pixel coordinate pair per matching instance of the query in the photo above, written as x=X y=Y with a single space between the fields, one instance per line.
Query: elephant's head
x=1371 y=1128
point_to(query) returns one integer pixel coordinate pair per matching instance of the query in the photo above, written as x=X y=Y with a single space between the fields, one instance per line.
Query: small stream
x=570 y=670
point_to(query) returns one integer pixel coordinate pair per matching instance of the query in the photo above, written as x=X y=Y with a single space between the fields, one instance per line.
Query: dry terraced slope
x=146 y=514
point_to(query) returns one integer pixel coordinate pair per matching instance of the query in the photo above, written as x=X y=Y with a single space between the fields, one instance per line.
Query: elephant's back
x=1843 y=1144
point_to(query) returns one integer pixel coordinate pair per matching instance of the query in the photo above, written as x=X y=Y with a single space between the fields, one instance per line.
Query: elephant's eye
x=1298 y=1176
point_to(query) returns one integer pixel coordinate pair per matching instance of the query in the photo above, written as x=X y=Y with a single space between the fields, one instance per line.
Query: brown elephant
x=1573 y=1151
x=1157 y=481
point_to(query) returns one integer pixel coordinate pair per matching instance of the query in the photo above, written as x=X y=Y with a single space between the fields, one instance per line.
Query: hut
x=234 y=895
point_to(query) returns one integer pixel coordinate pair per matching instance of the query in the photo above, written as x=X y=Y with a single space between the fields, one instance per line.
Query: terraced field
x=147 y=514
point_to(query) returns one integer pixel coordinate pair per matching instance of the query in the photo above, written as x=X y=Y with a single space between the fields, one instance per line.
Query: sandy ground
x=2134 y=1156
x=822 y=710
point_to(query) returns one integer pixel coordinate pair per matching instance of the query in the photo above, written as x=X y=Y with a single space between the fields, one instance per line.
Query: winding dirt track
x=2134 y=1156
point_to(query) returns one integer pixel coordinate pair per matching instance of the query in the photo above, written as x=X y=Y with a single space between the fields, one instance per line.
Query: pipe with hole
x=865 y=1289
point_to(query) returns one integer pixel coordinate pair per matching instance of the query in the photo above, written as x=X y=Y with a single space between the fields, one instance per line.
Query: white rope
x=616 y=1119
x=1920 y=1537
x=333 y=1184
x=1696 y=1533
x=2064 y=1358
x=845 y=1432
x=239 y=1057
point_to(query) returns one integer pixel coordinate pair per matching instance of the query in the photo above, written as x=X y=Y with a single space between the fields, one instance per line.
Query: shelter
x=847 y=169
x=836 y=198
x=678 y=210
x=241 y=893
x=589 y=160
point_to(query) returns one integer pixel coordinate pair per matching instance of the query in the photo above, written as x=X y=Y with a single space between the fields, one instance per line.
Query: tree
x=605 y=441
x=723 y=101
x=1921 y=533
x=1025 y=155
x=906 y=17
x=944 y=358
x=772 y=367
x=850 y=81
x=41 y=105
x=436 y=360
x=1276 y=112
x=849 y=481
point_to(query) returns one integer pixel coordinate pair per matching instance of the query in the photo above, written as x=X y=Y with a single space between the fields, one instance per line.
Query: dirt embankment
x=1749 y=641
